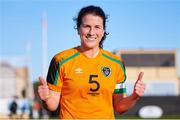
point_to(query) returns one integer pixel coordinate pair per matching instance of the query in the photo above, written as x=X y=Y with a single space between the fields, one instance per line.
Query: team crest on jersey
x=106 y=71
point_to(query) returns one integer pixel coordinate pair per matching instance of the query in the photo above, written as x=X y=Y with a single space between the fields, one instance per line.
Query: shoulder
x=65 y=54
x=111 y=56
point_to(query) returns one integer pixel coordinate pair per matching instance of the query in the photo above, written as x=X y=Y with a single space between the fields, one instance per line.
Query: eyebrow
x=89 y=25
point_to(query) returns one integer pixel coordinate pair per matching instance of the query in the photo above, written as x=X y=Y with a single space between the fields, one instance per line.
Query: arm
x=50 y=98
x=123 y=103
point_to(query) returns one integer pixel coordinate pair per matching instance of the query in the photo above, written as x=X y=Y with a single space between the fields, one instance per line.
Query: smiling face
x=91 y=31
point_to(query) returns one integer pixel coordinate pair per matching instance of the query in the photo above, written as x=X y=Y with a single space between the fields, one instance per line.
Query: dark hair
x=95 y=10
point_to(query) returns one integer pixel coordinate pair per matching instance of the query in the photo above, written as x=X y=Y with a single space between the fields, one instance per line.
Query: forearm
x=50 y=103
x=124 y=104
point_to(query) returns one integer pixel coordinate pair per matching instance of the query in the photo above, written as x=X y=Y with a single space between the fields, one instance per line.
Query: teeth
x=91 y=38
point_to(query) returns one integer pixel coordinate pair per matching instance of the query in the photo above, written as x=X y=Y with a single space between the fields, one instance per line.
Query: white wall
x=156 y=87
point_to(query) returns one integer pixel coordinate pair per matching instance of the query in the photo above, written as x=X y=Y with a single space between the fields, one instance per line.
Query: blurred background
x=144 y=33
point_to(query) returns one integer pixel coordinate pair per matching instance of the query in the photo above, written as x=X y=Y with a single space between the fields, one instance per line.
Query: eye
x=85 y=26
x=98 y=27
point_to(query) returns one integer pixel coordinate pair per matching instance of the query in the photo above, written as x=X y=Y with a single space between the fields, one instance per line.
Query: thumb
x=140 y=76
x=42 y=81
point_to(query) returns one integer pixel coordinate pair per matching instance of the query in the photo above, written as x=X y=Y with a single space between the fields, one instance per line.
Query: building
x=13 y=80
x=7 y=80
x=159 y=67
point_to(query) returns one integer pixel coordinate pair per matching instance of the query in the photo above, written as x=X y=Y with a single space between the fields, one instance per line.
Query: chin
x=91 y=46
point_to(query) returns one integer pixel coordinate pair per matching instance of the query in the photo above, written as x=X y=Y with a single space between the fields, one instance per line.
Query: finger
x=139 y=93
x=43 y=87
x=42 y=81
x=140 y=88
x=140 y=82
x=140 y=76
x=43 y=92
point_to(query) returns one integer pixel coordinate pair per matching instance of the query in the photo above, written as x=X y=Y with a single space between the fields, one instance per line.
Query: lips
x=91 y=38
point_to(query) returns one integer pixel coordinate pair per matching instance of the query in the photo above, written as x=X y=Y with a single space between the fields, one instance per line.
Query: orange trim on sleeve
x=54 y=88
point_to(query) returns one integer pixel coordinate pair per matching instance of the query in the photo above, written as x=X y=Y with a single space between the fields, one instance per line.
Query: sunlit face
x=91 y=31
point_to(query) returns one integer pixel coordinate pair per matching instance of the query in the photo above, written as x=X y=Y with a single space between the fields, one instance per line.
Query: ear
x=103 y=32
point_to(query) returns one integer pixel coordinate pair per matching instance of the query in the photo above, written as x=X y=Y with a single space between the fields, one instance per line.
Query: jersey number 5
x=92 y=81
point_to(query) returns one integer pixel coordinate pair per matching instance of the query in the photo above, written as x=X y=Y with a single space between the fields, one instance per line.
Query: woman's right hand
x=43 y=90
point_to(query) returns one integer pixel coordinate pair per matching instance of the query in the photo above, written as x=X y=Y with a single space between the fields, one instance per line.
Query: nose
x=91 y=31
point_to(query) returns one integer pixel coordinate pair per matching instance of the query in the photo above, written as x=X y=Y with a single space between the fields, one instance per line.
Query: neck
x=90 y=53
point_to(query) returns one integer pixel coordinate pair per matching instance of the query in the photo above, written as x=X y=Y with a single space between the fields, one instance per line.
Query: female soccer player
x=88 y=81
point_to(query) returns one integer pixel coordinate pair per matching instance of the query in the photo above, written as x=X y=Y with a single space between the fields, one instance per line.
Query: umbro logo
x=78 y=70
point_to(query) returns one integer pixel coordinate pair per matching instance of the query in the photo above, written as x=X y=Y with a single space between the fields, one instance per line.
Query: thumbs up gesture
x=43 y=90
x=139 y=86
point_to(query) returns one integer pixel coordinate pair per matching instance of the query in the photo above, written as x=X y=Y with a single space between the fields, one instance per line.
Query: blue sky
x=132 y=24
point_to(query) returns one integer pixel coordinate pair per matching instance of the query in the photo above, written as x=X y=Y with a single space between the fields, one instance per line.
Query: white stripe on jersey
x=120 y=86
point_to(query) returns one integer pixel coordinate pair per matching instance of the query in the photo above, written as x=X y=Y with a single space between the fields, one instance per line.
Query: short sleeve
x=120 y=87
x=54 y=78
x=121 y=73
